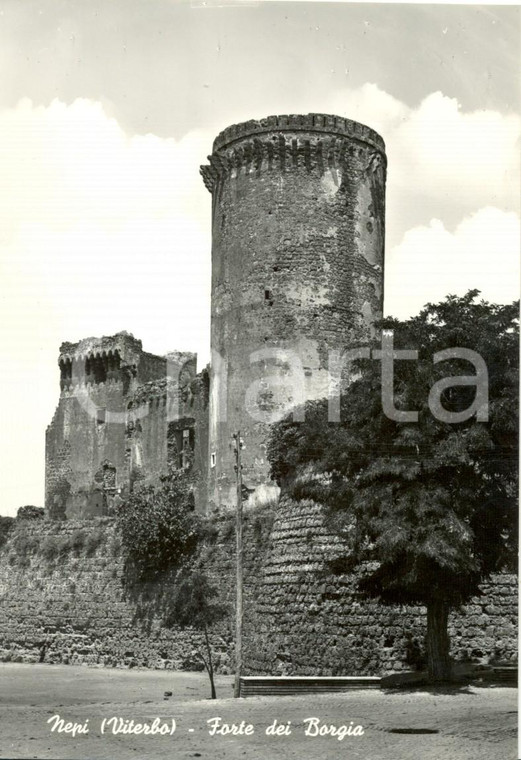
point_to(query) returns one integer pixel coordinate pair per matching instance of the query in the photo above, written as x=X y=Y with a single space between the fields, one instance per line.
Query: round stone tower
x=297 y=272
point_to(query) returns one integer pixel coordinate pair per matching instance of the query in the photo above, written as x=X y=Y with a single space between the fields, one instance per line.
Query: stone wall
x=308 y=622
x=78 y=441
x=167 y=424
x=199 y=408
x=63 y=597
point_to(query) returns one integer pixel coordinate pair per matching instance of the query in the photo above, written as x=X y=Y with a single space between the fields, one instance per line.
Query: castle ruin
x=297 y=273
x=123 y=416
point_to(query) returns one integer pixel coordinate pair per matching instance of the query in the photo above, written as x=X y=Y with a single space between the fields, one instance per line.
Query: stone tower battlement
x=298 y=217
x=318 y=123
x=119 y=358
x=314 y=140
x=123 y=343
x=98 y=360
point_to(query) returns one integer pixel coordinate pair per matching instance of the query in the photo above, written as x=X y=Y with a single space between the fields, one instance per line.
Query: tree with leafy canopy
x=160 y=533
x=158 y=525
x=428 y=507
x=195 y=604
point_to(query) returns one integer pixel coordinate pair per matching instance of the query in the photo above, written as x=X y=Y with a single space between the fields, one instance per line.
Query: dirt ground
x=459 y=724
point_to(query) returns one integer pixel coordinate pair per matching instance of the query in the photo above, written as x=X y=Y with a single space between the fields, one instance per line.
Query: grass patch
x=52 y=548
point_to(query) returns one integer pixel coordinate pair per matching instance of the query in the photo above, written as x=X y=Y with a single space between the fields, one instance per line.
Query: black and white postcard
x=260 y=371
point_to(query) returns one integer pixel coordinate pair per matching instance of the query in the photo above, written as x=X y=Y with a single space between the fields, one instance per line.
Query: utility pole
x=238 y=618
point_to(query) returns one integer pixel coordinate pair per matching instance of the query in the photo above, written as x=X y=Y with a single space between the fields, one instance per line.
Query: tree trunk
x=210 y=664
x=437 y=641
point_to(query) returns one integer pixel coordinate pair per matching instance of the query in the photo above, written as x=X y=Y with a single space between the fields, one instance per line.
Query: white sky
x=107 y=110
